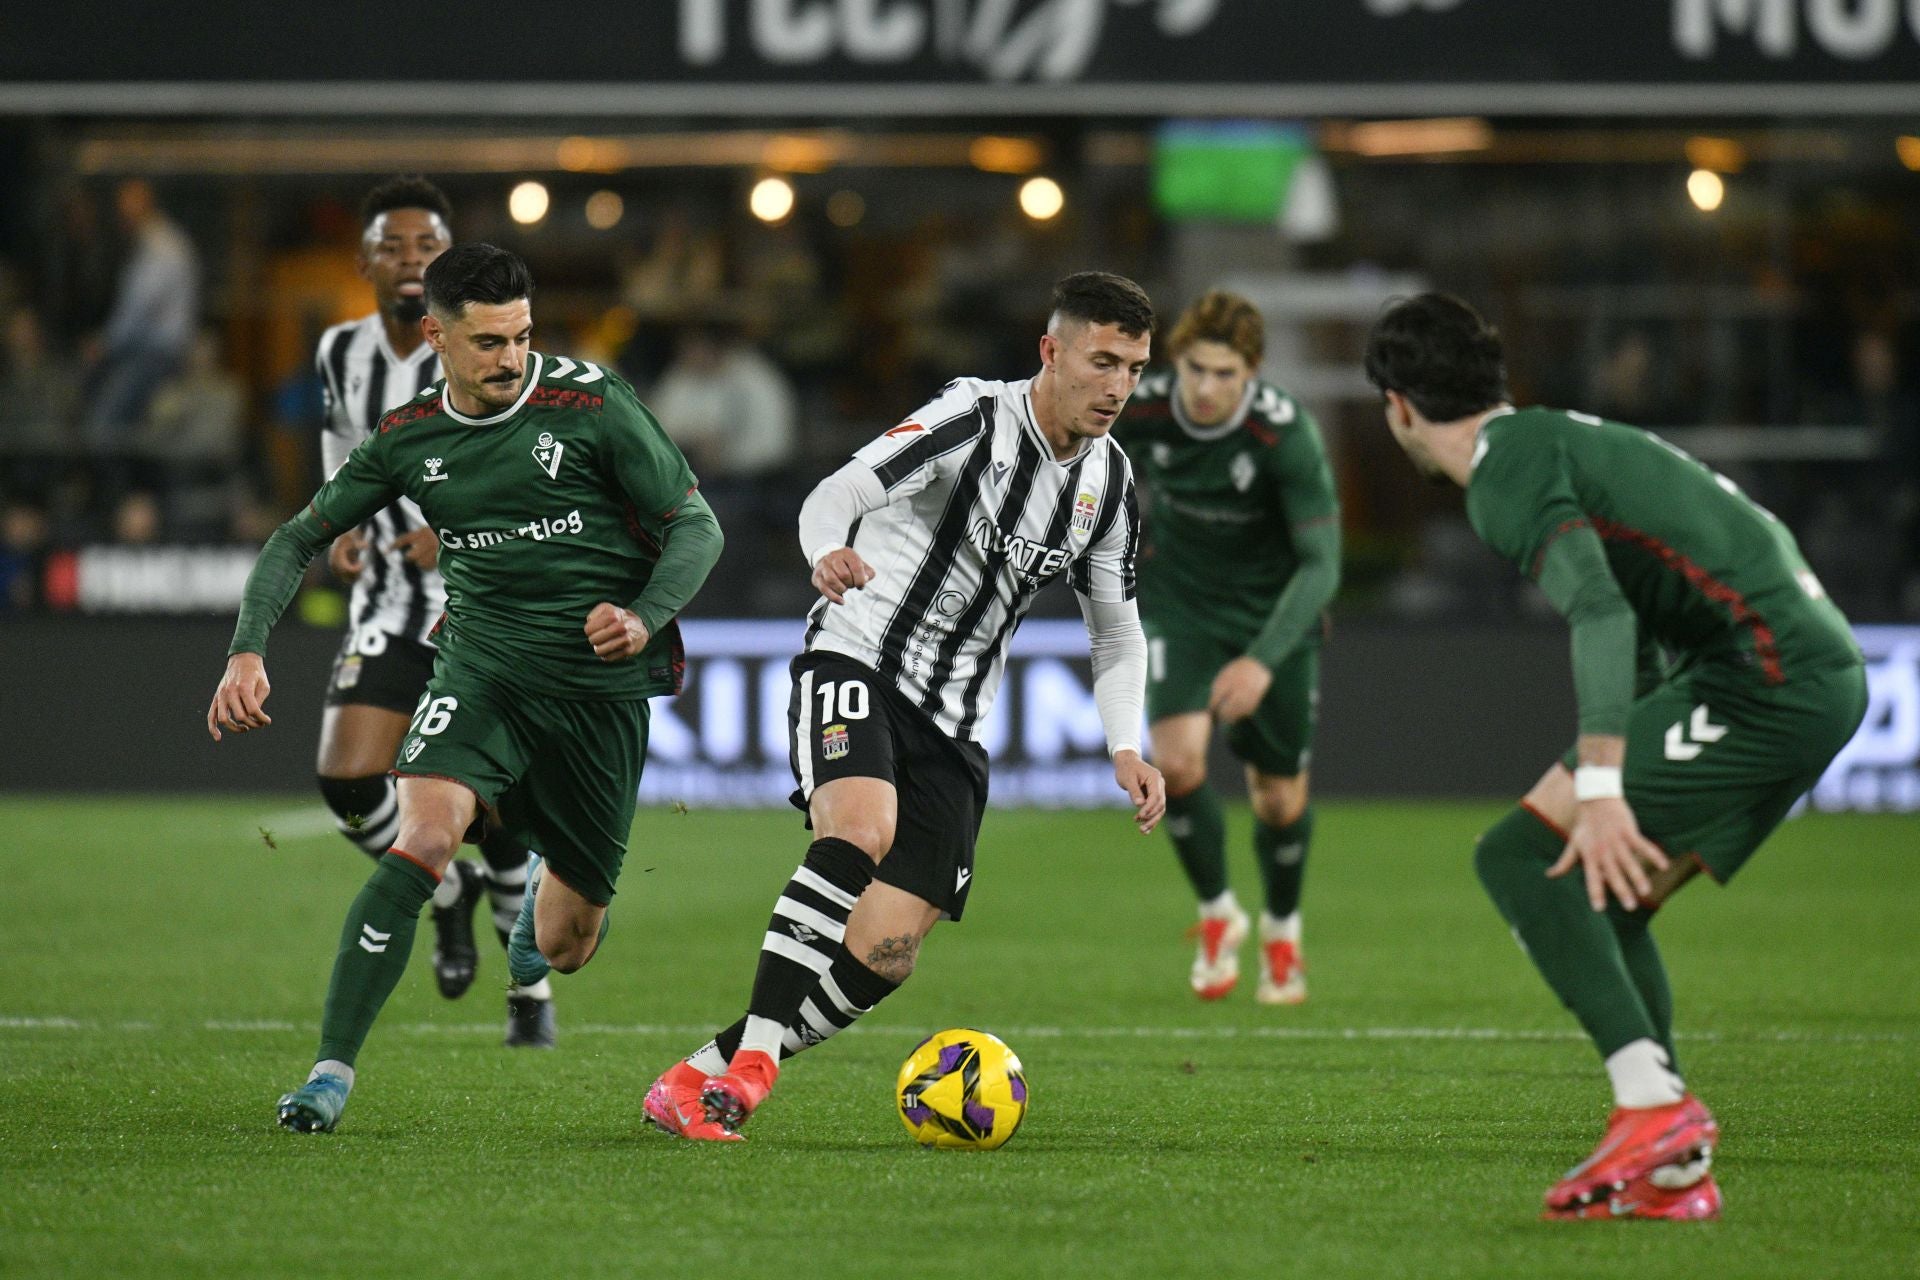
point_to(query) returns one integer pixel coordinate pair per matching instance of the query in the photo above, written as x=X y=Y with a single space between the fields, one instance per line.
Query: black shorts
x=848 y=722
x=392 y=678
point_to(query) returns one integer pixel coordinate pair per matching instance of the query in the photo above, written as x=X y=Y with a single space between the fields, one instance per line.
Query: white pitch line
x=277 y=1026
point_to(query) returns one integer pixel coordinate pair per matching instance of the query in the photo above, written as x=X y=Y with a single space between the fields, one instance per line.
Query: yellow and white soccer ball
x=962 y=1089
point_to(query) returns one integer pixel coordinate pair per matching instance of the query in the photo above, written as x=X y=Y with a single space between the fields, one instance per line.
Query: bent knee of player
x=1278 y=801
x=568 y=944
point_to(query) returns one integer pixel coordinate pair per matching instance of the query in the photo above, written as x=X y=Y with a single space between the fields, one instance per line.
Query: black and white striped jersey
x=362 y=379
x=979 y=517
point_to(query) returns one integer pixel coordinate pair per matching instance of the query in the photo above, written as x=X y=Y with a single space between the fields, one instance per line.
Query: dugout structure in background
x=119 y=705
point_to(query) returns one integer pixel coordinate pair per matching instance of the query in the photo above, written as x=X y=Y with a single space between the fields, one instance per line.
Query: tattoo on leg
x=892 y=958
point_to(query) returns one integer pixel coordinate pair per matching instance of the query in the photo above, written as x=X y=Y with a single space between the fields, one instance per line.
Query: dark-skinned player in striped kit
x=1715 y=683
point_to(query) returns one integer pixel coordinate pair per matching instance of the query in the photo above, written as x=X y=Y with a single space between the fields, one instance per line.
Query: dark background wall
x=120 y=705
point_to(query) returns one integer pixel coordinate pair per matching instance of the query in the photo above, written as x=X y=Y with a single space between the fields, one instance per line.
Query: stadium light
x=528 y=202
x=1907 y=147
x=1706 y=190
x=1041 y=199
x=771 y=199
x=604 y=210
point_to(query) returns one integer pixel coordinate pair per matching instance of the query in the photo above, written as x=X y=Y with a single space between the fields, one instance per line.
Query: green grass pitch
x=164 y=970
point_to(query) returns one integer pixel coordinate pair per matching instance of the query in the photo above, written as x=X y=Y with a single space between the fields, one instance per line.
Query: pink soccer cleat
x=1638 y=1141
x=673 y=1106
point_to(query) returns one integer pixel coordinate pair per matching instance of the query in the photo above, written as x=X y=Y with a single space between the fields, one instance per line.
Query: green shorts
x=1277 y=739
x=1714 y=764
x=562 y=774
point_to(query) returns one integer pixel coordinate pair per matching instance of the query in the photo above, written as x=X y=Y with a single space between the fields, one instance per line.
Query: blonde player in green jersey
x=1241 y=555
x=571 y=535
x=1715 y=683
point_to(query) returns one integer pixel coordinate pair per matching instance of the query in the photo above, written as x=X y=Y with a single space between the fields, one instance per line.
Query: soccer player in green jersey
x=1241 y=556
x=571 y=535
x=1715 y=682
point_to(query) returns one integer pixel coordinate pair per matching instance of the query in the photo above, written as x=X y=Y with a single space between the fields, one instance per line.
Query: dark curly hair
x=476 y=272
x=405 y=191
x=1439 y=353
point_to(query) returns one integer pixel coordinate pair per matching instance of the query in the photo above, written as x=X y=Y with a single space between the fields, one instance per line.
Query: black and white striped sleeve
x=908 y=457
x=337 y=436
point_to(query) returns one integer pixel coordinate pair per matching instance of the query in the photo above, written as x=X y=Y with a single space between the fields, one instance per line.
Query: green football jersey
x=1223 y=503
x=543 y=511
x=1710 y=575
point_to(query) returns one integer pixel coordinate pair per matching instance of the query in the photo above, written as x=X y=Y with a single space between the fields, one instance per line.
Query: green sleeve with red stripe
x=1522 y=503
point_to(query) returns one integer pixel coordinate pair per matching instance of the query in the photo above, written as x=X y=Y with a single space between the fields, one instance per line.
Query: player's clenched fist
x=240 y=699
x=616 y=634
x=839 y=572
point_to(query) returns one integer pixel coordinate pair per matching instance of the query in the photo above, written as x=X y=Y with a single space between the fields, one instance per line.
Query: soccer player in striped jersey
x=1241 y=558
x=367 y=367
x=927 y=549
x=1715 y=681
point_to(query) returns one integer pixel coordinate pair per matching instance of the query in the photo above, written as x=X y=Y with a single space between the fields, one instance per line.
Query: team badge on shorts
x=413 y=750
x=547 y=453
x=349 y=673
x=834 y=743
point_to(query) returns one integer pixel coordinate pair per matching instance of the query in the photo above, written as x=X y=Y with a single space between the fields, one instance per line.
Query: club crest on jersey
x=1083 y=511
x=433 y=471
x=1162 y=453
x=834 y=744
x=1241 y=472
x=547 y=453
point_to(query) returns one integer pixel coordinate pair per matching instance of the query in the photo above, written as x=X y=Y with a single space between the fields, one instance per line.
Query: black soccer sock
x=809 y=921
x=1573 y=946
x=844 y=994
x=1198 y=827
x=367 y=811
x=1282 y=853
x=507 y=862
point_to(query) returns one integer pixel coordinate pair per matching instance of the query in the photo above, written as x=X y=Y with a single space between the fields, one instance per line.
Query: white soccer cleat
x=1283 y=968
x=1216 y=960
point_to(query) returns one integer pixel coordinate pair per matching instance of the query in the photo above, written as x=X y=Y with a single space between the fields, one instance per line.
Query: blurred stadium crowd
x=157 y=389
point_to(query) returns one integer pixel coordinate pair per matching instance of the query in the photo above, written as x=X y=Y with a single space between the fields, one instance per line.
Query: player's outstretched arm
x=239 y=699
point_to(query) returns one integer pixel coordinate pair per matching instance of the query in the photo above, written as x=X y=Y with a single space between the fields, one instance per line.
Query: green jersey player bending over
x=1241 y=556
x=1715 y=682
x=571 y=535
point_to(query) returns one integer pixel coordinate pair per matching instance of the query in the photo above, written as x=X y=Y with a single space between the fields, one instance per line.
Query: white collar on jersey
x=533 y=379
x=1032 y=424
x=1220 y=430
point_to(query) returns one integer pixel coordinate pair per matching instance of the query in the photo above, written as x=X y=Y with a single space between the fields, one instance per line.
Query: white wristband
x=1598 y=782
